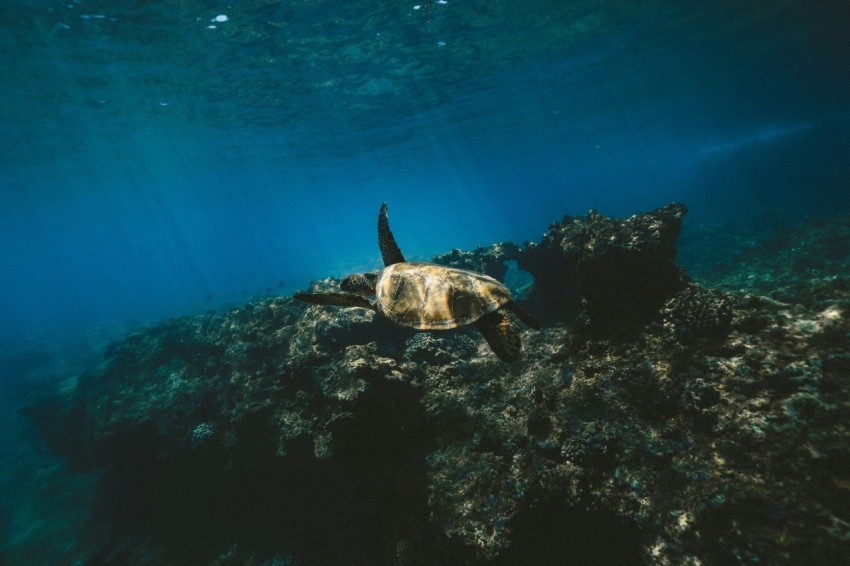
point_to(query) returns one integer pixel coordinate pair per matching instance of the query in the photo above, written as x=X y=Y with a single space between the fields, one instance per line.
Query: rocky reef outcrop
x=652 y=420
x=610 y=273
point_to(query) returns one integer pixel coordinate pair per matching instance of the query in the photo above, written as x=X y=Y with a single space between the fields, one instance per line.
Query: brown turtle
x=427 y=296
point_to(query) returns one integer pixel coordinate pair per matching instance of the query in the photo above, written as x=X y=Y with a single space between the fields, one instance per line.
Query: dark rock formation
x=614 y=274
x=490 y=260
x=669 y=424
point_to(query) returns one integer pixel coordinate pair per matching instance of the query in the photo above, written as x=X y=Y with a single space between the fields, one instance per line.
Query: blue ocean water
x=165 y=158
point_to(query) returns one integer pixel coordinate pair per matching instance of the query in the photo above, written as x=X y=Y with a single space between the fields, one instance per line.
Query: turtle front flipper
x=386 y=240
x=502 y=334
x=335 y=299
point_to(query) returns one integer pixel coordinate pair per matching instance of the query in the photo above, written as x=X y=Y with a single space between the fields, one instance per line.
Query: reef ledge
x=652 y=420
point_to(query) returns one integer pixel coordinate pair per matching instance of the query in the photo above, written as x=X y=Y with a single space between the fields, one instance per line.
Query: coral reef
x=653 y=420
x=489 y=261
x=612 y=273
x=805 y=263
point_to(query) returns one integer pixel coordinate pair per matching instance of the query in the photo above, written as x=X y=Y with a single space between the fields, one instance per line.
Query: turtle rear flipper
x=526 y=318
x=386 y=240
x=336 y=299
x=502 y=334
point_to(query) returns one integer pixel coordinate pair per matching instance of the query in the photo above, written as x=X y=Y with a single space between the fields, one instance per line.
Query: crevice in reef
x=351 y=507
x=551 y=533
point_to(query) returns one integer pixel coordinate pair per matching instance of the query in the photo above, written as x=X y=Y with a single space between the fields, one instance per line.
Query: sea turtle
x=427 y=296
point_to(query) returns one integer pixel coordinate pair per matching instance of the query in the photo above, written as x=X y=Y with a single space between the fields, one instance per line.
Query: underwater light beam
x=764 y=136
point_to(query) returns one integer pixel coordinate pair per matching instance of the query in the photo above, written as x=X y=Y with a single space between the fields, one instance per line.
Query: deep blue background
x=152 y=166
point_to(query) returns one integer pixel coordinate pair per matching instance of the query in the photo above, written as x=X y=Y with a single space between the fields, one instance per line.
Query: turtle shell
x=426 y=296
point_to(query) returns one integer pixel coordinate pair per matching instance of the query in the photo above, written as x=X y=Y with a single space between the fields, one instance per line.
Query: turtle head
x=360 y=283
